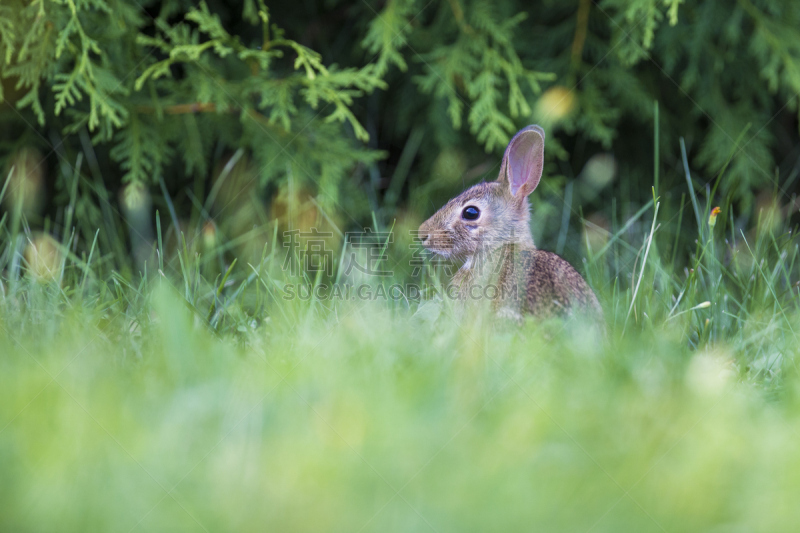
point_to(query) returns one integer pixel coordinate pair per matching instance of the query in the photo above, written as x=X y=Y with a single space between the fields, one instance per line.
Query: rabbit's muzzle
x=437 y=241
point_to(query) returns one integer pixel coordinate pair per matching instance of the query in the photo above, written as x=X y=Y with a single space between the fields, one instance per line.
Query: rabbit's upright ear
x=523 y=161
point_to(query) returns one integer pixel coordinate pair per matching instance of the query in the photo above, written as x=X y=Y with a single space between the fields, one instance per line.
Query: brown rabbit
x=487 y=227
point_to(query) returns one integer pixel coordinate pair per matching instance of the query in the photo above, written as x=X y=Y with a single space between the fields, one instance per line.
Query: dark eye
x=471 y=213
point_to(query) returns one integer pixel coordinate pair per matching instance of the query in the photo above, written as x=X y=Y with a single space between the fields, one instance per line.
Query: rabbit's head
x=489 y=215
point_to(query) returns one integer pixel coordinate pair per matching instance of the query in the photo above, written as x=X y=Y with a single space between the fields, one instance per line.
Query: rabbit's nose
x=424 y=234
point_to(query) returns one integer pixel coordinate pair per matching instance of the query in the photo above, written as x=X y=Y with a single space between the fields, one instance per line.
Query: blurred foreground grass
x=373 y=420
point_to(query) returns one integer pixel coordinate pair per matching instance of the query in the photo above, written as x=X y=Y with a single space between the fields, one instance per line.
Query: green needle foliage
x=158 y=83
x=126 y=82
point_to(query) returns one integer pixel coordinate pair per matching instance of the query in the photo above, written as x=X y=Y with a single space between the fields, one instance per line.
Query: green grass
x=375 y=422
x=194 y=397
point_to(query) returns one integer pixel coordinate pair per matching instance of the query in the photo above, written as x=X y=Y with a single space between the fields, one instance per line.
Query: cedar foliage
x=330 y=93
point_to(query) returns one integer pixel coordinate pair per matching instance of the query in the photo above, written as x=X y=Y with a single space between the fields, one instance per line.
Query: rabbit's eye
x=471 y=213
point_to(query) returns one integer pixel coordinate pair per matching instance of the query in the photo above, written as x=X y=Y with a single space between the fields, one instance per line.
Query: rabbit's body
x=520 y=280
x=488 y=227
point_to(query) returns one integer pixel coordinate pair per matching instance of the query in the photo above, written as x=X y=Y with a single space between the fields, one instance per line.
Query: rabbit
x=488 y=227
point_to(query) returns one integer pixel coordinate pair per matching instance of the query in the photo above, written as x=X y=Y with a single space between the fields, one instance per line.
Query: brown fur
x=498 y=250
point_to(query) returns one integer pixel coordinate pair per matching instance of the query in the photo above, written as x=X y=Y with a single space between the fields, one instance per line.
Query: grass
x=190 y=395
x=376 y=422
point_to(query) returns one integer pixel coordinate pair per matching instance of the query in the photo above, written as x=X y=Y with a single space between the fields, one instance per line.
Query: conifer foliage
x=322 y=91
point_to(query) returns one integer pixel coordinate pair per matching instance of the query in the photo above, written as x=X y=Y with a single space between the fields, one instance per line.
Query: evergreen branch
x=8 y=37
x=458 y=14
x=581 y=27
x=182 y=109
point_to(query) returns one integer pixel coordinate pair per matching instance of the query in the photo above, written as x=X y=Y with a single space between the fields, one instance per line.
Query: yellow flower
x=712 y=219
x=556 y=103
x=43 y=257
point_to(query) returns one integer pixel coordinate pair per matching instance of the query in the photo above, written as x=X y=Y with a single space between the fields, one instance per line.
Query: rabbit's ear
x=523 y=161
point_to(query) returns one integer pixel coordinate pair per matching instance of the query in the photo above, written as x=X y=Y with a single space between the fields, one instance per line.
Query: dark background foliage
x=229 y=116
